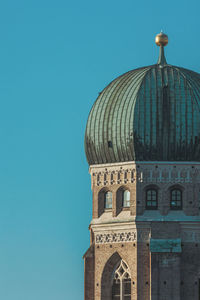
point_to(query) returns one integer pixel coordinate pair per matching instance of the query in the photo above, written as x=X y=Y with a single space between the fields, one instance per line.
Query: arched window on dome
x=121 y=286
x=151 y=199
x=125 y=198
x=176 y=199
x=108 y=200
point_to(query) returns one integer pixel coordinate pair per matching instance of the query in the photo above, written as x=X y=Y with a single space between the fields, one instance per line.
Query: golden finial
x=161 y=39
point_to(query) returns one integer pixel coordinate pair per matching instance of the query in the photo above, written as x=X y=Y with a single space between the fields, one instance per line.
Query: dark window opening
x=176 y=199
x=151 y=199
x=116 y=290
x=109 y=144
x=127 y=288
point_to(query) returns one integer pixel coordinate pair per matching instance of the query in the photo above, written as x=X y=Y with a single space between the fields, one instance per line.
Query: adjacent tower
x=142 y=143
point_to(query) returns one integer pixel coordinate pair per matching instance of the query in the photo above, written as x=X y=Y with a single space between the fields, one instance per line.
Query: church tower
x=142 y=143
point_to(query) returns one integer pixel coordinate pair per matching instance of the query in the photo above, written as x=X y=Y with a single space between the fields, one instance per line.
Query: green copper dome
x=147 y=114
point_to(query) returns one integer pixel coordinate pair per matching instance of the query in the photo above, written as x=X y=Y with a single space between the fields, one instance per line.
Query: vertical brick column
x=114 y=203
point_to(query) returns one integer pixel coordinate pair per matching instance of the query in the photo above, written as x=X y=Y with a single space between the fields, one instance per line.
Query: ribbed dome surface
x=148 y=114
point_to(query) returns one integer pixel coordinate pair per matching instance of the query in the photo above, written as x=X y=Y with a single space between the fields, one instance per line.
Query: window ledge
x=107 y=209
x=151 y=208
x=126 y=208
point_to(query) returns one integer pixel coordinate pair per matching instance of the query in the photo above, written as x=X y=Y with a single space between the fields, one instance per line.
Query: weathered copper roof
x=151 y=113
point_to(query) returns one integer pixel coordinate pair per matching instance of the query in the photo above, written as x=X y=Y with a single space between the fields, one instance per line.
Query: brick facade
x=161 y=247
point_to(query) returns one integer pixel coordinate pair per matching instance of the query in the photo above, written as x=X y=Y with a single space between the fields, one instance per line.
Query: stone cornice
x=145 y=172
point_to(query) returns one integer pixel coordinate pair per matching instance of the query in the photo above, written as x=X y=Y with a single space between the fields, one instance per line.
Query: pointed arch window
x=121 y=288
x=176 y=199
x=108 y=200
x=126 y=198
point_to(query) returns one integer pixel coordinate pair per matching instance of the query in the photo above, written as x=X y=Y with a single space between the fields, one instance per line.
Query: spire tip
x=161 y=39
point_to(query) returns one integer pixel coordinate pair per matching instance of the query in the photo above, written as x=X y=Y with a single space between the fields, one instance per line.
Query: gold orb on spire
x=161 y=39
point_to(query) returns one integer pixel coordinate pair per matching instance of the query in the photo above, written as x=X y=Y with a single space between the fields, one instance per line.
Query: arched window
x=176 y=199
x=126 y=198
x=121 y=288
x=108 y=200
x=151 y=199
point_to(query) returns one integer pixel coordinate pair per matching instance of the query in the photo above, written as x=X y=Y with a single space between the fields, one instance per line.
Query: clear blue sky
x=55 y=56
